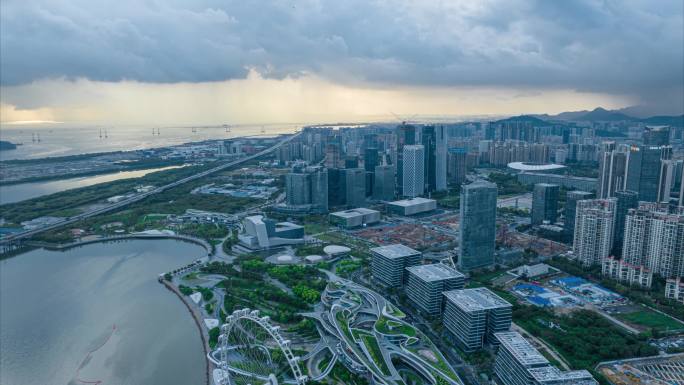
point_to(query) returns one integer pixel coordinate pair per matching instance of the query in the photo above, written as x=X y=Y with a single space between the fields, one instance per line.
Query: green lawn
x=374 y=350
x=651 y=319
x=387 y=326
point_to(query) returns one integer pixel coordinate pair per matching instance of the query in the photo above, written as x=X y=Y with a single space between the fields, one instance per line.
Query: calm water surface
x=56 y=307
x=23 y=191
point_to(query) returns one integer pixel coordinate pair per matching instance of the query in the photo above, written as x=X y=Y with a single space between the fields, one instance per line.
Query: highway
x=139 y=197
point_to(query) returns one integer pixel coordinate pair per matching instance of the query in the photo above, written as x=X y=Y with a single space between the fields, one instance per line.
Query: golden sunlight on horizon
x=259 y=100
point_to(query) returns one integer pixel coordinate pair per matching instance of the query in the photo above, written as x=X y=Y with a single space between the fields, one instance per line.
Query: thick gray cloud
x=613 y=46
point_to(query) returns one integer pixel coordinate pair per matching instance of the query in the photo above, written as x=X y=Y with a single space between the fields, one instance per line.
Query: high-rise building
x=670 y=170
x=654 y=237
x=544 y=203
x=433 y=139
x=457 y=165
x=570 y=211
x=593 y=238
x=428 y=138
x=383 y=183
x=519 y=363
x=473 y=316
x=405 y=135
x=625 y=200
x=332 y=155
x=388 y=263
x=643 y=171
x=306 y=187
x=656 y=136
x=337 y=187
x=370 y=159
x=413 y=174
x=425 y=284
x=441 y=159
x=478 y=225
x=355 y=187
x=612 y=166
x=351 y=162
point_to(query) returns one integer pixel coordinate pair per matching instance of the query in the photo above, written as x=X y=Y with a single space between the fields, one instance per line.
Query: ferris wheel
x=253 y=351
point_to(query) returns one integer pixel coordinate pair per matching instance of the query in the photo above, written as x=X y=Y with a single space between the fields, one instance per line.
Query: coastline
x=198 y=321
x=196 y=315
x=67 y=246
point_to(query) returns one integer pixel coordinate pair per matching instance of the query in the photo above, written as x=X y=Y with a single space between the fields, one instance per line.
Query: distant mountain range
x=602 y=115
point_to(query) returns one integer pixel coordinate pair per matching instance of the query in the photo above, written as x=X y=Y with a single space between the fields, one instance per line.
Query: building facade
x=383 y=185
x=425 y=284
x=654 y=238
x=519 y=363
x=545 y=203
x=570 y=210
x=413 y=206
x=478 y=225
x=594 y=223
x=473 y=316
x=413 y=172
x=388 y=263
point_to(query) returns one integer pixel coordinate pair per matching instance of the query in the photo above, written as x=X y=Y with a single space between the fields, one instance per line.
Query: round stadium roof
x=313 y=258
x=336 y=250
x=524 y=166
x=284 y=258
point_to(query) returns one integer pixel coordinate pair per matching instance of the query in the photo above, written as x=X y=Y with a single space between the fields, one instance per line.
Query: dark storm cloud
x=611 y=46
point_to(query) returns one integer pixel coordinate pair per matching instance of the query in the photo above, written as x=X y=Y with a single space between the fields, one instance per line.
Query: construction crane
x=403 y=120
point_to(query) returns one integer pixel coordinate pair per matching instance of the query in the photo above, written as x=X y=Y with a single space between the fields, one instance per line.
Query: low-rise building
x=411 y=206
x=355 y=217
x=674 y=289
x=624 y=272
x=519 y=363
x=389 y=262
x=263 y=233
x=473 y=316
x=425 y=284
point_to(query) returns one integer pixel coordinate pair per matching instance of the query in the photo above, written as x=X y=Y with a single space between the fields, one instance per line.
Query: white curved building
x=525 y=166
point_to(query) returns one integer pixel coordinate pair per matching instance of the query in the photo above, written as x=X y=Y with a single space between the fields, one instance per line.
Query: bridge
x=5 y=243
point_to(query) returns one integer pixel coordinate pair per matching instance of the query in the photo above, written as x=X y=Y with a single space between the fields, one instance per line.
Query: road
x=139 y=197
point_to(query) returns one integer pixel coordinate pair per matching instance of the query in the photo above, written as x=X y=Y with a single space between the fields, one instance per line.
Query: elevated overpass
x=138 y=197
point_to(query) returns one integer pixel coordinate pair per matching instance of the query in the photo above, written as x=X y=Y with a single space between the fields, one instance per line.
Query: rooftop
x=395 y=251
x=479 y=184
x=434 y=272
x=336 y=249
x=522 y=350
x=476 y=299
x=354 y=212
x=524 y=166
x=552 y=373
x=412 y=201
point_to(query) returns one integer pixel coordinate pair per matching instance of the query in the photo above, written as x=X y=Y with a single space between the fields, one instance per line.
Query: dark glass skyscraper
x=429 y=141
x=370 y=159
x=643 y=171
x=544 y=203
x=478 y=225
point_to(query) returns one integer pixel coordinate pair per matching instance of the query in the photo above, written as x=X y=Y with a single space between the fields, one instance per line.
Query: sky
x=224 y=61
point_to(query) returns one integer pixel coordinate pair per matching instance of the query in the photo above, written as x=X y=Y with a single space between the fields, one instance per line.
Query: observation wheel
x=252 y=351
